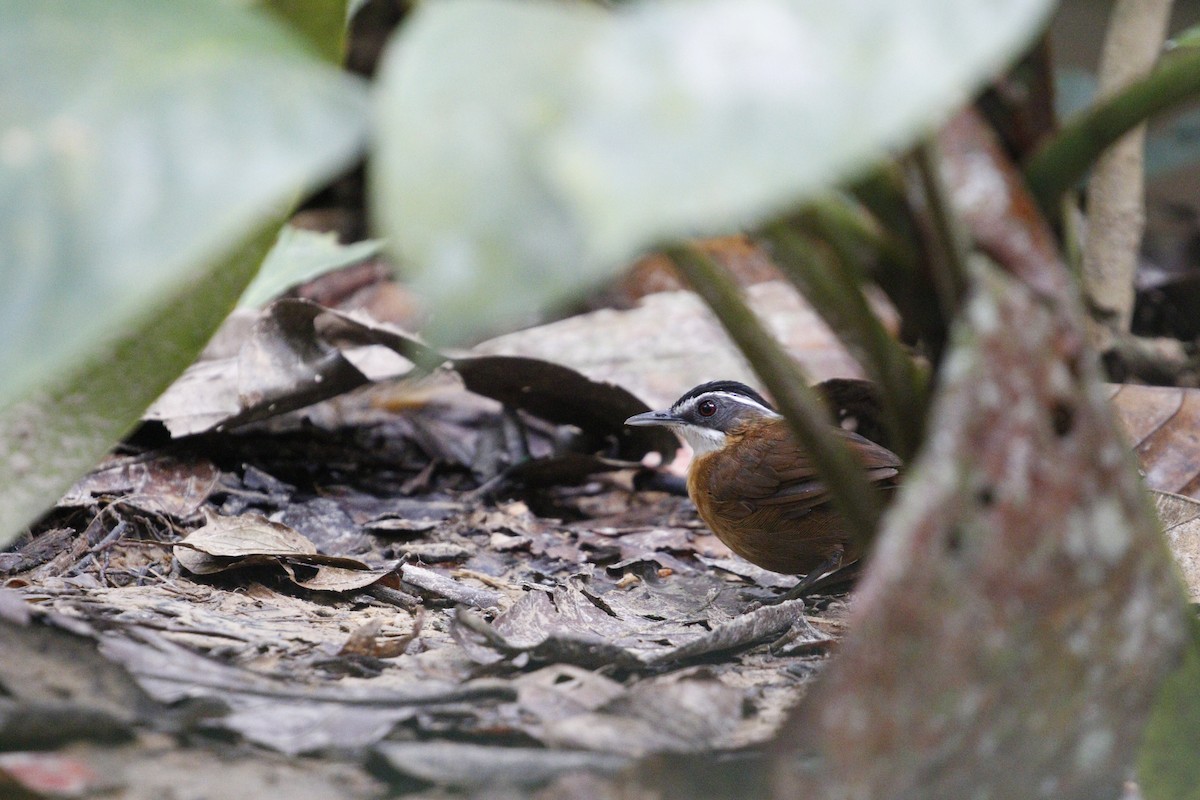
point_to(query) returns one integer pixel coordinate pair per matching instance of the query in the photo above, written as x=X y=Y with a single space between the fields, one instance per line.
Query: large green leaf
x=59 y=430
x=137 y=141
x=321 y=22
x=140 y=143
x=527 y=147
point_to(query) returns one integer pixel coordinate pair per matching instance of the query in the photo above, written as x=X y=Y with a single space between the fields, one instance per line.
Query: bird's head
x=708 y=412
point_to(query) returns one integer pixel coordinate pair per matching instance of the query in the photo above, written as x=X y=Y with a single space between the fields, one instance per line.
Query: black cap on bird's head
x=703 y=415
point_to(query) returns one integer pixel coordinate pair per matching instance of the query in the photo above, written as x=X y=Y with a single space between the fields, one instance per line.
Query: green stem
x=1064 y=160
x=902 y=269
x=853 y=497
x=830 y=282
x=950 y=269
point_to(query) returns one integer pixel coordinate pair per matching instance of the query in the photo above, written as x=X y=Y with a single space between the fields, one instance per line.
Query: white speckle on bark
x=1111 y=530
x=959 y=363
x=1079 y=642
x=1139 y=609
x=989 y=395
x=1094 y=749
x=985 y=316
x=1097 y=538
x=1059 y=379
x=1111 y=455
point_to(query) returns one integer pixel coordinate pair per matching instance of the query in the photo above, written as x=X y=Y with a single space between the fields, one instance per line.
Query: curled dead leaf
x=225 y=543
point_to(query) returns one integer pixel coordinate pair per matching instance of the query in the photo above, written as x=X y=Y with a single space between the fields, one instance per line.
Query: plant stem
x=903 y=273
x=1064 y=160
x=829 y=281
x=950 y=268
x=852 y=496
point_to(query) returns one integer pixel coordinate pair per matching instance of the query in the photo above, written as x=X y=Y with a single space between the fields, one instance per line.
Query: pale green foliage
x=299 y=256
x=528 y=148
x=141 y=145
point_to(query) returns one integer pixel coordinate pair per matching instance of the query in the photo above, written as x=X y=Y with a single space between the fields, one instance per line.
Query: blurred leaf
x=148 y=151
x=1167 y=764
x=1009 y=637
x=321 y=22
x=138 y=142
x=54 y=434
x=297 y=257
x=527 y=148
x=1186 y=38
x=352 y=8
x=1171 y=145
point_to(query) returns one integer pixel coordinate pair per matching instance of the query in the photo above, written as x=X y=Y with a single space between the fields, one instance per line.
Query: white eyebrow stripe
x=740 y=399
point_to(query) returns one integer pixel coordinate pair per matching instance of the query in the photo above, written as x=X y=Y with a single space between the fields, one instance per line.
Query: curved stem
x=853 y=497
x=829 y=282
x=950 y=269
x=1064 y=160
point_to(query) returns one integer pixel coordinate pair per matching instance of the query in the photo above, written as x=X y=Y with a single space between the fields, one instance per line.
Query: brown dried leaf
x=364 y=640
x=476 y=766
x=1161 y=423
x=268 y=709
x=230 y=542
x=162 y=484
x=676 y=713
x=225 y=543
x=291 y=358
x=334 y=578
x=1180 y=518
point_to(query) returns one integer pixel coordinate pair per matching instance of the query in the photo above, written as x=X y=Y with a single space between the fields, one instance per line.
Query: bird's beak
x=653 y=418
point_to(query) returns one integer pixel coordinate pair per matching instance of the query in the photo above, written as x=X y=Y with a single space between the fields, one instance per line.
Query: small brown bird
x=755 y=487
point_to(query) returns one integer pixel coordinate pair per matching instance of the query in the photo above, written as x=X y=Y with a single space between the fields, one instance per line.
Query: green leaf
x=139 y=144
x=528 y=148
x=61 y=429
x=321 y=22
x=297 y=257
x=1189 y=37
x=1167 y=765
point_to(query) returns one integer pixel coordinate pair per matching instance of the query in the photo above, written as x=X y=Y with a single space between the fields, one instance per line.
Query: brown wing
x=773 y=470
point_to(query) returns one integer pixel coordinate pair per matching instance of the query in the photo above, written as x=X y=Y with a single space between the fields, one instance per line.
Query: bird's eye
x=706 y=408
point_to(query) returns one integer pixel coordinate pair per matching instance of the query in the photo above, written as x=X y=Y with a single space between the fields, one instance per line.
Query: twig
x=394 y=597
x=852 y=496
x=448 y=588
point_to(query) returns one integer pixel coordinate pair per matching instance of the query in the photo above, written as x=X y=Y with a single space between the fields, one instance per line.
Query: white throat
x=702 y=440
